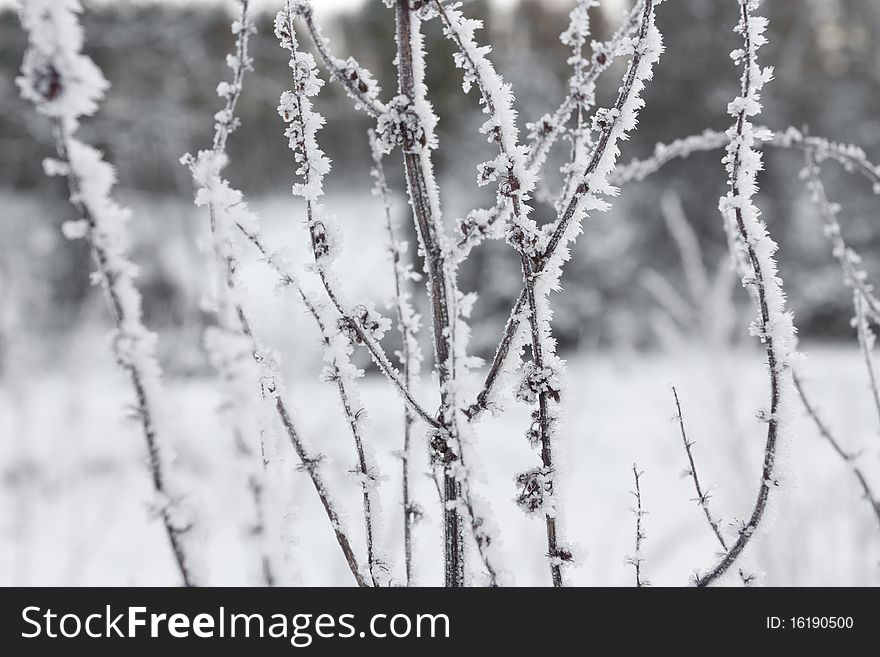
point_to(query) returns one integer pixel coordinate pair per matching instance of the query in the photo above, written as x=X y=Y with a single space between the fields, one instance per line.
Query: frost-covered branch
x=637 y=559
x=230 y=343
x=65 y=85
x=543 y=133
x=754 y=249
x=410 y=355
x=357 y=81
x=614 y=124
x=854 y=275
x=409 y=122
x=303 y=124
x=229 y=212
x=516 y=184
x=851 y=158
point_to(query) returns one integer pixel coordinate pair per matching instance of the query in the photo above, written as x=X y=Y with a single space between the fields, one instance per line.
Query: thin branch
x=356 y=80
x=847 y=457
x=703 y=496
x=226 y=351
x=515 y=184
x=602 y=160
x=753 y=248
x=851 y=158
x=410 y=353
x=296 y=109
x=480 y=224
x=227 y=209
x=65 y=85
x=636 y=560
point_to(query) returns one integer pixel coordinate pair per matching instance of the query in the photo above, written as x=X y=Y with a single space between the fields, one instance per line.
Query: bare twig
x=849 y=458
x=703 y=496
x=636 y=560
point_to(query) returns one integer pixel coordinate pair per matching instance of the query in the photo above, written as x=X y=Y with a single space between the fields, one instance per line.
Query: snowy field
x=75 y=488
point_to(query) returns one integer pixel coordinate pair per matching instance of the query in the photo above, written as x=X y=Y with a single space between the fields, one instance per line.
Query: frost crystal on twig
x=65 y=85
x=753 y=250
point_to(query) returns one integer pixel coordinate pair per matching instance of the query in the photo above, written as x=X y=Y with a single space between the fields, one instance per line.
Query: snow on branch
x=230 y=344
x=852 y=158
x=615 y=124
x=516 y=183
x=303 y=122
x=410 y=355
x=544 y=133
x=753 y=249
x=229 y=213
x=65 y=85
x=357 y=81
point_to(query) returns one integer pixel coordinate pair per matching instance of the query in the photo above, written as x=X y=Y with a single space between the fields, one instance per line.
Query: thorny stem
x=428 y=229
x=703 y=496
x=760 y=283
x=409 y=356
x=143 y=401
x=866 y=340
x=371 y=106
x=847 y=457
x=310 y=462
x=637 y=559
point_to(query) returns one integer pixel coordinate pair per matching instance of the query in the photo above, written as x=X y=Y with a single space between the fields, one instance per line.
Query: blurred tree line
x=165 y=60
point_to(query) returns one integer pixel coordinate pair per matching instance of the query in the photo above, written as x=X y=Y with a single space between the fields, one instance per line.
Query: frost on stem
x=410 y=354
x=229 y=212
x=230 y=344
x=866 y=306
x=65 y=85
x=357 y=81
x=544 y=132
x=588 y=194
x=359 y=325
x=753 y=249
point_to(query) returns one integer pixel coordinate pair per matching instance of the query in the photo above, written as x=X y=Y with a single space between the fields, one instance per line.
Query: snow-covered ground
x=75 y=490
